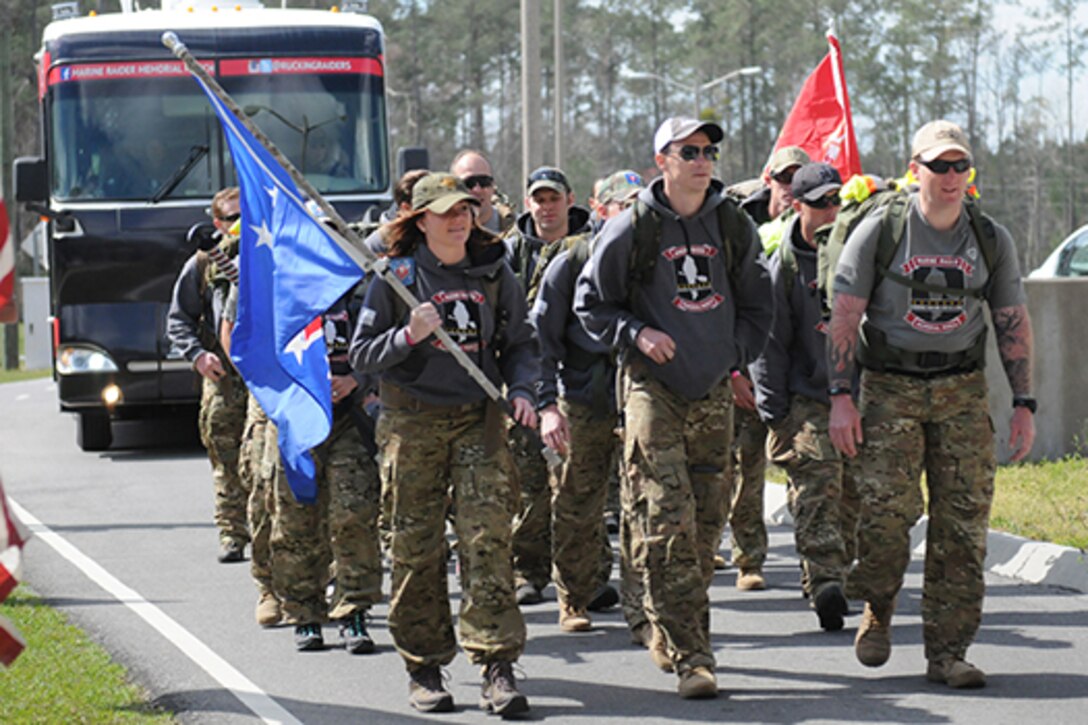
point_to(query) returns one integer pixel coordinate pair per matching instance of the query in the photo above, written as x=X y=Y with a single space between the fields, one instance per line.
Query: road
x=139 y=519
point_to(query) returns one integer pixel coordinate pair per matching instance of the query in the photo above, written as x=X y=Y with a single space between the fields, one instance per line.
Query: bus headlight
x=74 y=360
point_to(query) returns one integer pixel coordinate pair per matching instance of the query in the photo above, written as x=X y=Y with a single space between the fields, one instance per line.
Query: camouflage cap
x=619 y=187
x=786 y=157
x=440 y=192
x=937 y=137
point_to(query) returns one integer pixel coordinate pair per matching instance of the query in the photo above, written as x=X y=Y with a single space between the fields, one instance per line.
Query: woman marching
x=439 y=434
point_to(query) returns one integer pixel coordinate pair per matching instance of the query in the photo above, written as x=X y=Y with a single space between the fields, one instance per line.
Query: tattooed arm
x=845 y=423
x=1012 y=326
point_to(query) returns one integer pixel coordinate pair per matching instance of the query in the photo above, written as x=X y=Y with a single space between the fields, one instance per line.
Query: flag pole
x=342 y=234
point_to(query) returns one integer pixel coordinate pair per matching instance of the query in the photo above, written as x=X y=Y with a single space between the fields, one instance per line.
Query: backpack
x=579 y=249
x=733 y=225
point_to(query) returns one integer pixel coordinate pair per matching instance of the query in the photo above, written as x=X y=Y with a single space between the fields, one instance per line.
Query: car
x=1069 y=259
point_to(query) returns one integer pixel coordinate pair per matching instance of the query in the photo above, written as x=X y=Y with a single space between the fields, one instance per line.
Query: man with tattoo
x=923 y=402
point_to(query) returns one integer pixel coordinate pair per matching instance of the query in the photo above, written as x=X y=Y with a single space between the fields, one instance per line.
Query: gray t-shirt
x=923 y=321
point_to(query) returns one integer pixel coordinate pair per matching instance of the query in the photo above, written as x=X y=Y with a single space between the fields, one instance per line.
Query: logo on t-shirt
x=933 y=312
x=460 y=311
x=694 y=292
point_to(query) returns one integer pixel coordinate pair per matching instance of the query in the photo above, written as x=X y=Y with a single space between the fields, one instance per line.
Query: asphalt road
x=138 y=518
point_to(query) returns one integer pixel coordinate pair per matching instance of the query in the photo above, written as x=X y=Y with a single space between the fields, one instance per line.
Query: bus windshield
x=123 y=138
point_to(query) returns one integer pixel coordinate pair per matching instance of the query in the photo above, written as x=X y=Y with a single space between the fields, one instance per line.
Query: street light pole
x=695 y=91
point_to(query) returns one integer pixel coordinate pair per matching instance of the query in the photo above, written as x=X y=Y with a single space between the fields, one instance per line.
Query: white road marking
x=24 y=396
x=258 y=701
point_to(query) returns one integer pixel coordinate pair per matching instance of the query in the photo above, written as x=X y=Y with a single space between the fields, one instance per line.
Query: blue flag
x=291 y=271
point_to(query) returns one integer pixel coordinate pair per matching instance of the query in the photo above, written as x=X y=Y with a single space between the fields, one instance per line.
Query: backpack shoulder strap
x=646 y=225
x=986 y=234
x=202 y=263
x=787 y=260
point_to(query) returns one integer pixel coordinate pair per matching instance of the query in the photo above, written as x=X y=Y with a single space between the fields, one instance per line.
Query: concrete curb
x=1014 y=557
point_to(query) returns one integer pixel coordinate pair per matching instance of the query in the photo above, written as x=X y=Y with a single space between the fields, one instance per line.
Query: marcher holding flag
x=438 y=432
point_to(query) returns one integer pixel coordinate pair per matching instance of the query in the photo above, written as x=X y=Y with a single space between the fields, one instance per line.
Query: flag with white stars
x=291 y=272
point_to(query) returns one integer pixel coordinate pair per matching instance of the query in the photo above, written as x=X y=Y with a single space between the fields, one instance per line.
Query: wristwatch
x=1020 y=401
x=838 y=390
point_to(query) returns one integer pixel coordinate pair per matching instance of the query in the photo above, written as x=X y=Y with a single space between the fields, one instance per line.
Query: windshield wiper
x=196 y=153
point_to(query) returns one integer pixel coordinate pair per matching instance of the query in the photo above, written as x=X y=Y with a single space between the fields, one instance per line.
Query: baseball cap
x=619 y=187
x=547 y=177
x=812 y=181
x=677 y=128
x=440 y=192
x=936 y=137
x=786 y=157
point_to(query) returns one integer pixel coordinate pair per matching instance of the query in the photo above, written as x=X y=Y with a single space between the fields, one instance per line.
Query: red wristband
x=735 y=373
x=408 y=338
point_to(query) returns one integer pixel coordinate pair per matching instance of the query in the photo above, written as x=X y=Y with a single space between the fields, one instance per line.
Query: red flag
x=8 y=312
x=820 y=121
x=12 y=537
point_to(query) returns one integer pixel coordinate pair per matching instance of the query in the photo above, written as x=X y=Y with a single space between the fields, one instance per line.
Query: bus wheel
x=94 y=432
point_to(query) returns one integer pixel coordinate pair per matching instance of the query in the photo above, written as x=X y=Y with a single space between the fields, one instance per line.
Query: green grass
x=63 y=677
x=12 y=376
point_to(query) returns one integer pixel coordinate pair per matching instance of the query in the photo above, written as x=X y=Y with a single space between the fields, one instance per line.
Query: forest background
x=1007 y=72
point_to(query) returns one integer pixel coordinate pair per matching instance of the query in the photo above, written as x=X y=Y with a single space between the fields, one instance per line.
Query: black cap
x=812 y=181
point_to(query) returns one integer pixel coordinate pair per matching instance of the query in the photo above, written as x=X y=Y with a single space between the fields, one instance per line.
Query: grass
x=63 y=677
x=1044 y=501
x=11 y=376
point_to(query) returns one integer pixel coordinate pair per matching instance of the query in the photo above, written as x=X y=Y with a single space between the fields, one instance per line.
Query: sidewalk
x=1014 y=557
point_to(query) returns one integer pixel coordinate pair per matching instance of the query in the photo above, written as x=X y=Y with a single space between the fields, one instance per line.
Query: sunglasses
x=690 y=153
x=824 y=201
x=230 y=217
x=939 y=166
x=784 y=177
x=481 y=180
x=548 y=175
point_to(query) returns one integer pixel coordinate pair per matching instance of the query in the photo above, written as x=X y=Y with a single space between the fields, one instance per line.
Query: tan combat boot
x=573 y=620
x=873 y=644
x=955 y=672
x=698 y=683
x=751 y=580
x=269 y=613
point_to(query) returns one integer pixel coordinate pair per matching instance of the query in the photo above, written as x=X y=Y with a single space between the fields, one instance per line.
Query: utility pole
x=531 y=121
x=7 y=125
x=560 y=82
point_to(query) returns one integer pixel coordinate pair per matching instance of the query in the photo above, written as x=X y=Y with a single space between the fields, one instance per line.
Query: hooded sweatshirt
x=425 y=370
x=794 y=362
x=690 y=297
x=523 y=245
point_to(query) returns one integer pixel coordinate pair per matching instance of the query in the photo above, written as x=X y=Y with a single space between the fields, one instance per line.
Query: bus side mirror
x=410 y=158
x=203 y=236
x=31 y=180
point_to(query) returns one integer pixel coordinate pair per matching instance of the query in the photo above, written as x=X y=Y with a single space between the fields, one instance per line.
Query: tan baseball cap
x=440 y=192
x=786 y=157
x=937 y=137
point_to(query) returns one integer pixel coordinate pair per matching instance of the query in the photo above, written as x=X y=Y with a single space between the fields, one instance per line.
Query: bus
x=132 y=154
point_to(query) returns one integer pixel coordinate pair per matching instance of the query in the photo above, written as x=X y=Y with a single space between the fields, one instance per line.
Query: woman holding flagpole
x=439 y=433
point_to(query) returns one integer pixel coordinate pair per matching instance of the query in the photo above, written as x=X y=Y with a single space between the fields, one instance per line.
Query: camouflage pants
x=258 y=481
x=426 y=452
x=822 y=493
x=341 y=527
x=581 y=551
x=533 y=519
x=222 y=418
x=676 y=454
x=748 y=532
x=632 y=553
x=940 y=426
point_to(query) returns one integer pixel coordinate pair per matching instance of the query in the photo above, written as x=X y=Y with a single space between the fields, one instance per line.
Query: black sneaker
x=831 y=606
x=231 y=551
x=605 y=598
x=426 y=692
x=308 y=637
x=500 y=693
x=357 y=640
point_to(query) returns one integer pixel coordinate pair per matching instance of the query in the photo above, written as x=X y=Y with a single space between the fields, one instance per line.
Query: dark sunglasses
x=824 y=201
x=940 y=166
x=784 y=177
x=481 y=180
x=690 y=153
x=231 y=217
x=548 y=175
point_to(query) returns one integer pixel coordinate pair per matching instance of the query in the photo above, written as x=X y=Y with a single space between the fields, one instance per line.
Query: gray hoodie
x=425 y=370
x=564 y=344
x=690 y=297
x=794 y=362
